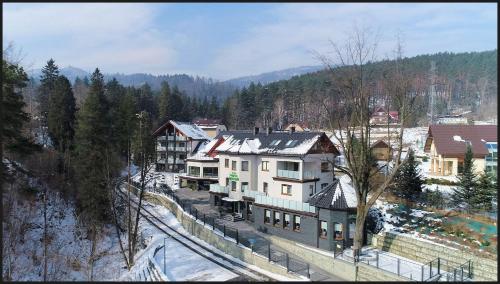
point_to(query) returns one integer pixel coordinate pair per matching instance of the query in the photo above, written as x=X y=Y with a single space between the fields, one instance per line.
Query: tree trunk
x=359 y=232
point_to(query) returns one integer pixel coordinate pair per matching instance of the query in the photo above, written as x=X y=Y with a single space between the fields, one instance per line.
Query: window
x=244 y=186
x=265 y=187
x=323 y=185
x=182 y=144
x=182 y=156
x=267 y=216
x=296 y=223
x=337 y=234
x=311 y=189
x=352 y=229
x=249 y=208
x=286 y=221
x=324 y=167
x=163 y=155
x=233 y=165
x=194 y=171
x=290 y=166
x=275 y=143
x=226 y=163
x=265 y=166
x=244 y=166
x=323 y=229
x=227 y=181
x=291 y=143
x=163 y=144
x=233 y=186
x=286 y=189
x=210 y=172
x=276 y=220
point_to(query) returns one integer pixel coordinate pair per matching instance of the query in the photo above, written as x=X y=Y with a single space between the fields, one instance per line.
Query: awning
x=229 y=199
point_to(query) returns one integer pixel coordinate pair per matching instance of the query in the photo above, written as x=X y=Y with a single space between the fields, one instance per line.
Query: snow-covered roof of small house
x=204 y=149
x=339 y=195
x=274 y=143
x=188 y=129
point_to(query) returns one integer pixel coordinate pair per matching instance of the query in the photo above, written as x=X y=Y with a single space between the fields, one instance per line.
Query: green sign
x=233 y=177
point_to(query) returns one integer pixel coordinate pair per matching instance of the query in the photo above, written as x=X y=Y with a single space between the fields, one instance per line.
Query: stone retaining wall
x=419 y=250
x=227 y=246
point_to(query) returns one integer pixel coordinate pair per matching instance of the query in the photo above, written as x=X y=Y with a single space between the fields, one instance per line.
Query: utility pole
x=432 y=90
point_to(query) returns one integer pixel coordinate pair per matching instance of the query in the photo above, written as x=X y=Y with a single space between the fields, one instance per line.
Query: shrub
x=439 y=181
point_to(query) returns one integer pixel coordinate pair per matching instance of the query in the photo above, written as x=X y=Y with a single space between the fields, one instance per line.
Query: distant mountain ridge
x=193 y=86
x=274 y=76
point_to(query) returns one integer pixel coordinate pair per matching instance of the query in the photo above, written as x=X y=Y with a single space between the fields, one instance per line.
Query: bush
x=425 y=159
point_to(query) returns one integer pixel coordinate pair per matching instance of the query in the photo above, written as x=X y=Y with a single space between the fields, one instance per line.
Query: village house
x=202 y=167
x=283 y=183
x=447 y=146
x=298 y=127
x=175 y=141
x=211 y=126
x=381 y=151
x=380 y=116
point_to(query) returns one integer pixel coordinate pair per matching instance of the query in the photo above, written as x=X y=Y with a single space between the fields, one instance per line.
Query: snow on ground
x=68 y=245
x=168 y=218
x=445 y=189
x=170 y=179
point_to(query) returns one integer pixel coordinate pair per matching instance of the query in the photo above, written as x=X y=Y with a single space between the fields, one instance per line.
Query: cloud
x=298 y=28
x=115 y=38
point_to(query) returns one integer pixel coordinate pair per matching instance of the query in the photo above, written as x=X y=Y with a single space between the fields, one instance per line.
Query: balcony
x=161 y=149
x=216 y=188
x=311 y=174
x=282 y=203
x=177 y=161
x=178 y=149
x=289 y=174
x=176 y=138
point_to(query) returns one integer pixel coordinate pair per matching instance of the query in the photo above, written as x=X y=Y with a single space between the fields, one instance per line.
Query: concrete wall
x=483 y=269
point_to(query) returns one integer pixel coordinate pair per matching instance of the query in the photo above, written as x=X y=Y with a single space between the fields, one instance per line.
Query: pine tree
x=213 y=108
x=93 y=154
x=486 y=191
x=50 y=73
x=163 y=104
x=126 y=121
x=466 y=191
x=61 y=117
x=408 y=181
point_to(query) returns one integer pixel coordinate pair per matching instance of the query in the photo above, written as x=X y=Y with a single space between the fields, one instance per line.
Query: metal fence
x=258 y=246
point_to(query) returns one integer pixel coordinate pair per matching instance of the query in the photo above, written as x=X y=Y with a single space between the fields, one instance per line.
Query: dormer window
x=275 y=143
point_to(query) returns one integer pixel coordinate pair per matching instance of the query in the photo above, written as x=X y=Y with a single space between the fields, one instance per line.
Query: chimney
x=255 y=130
x=292 y=129
x=269 y=130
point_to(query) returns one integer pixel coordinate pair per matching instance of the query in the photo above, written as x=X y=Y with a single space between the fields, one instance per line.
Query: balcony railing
x=208 y=175
x=177 y=161
x=178 y=149
x=253 y=193
x=177 y=138
x=219 y=188
x=288 y=204
x=288 y=174
x=160 y=148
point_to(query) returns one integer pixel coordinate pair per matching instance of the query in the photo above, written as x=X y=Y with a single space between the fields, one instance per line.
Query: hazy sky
x=224 y=41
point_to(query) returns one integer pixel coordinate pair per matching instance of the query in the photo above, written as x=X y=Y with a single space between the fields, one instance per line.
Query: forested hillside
x=464 y=81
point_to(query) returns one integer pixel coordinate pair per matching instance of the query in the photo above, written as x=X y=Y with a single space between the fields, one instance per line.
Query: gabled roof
x=189 y=130
x=339 y=195
x=290 y=144
x=442 y=135
x=379 y=144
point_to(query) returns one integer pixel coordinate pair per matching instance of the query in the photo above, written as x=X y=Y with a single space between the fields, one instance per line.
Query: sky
x=223 y=40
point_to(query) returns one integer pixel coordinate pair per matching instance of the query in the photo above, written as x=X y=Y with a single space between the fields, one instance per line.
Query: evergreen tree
x=114 y=94
x=163 y=105
x=12 y=115
x=126 y=121
x=466 y=191
x=213 y=108
x=61 y=117
x=486 y=191
x=50 y=73
x=94 y=155
x=408 y=181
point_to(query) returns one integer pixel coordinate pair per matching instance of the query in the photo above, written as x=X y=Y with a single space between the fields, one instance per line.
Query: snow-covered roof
x=338 y=195
x=190 y=130
x=202 y=154
x=275 y=143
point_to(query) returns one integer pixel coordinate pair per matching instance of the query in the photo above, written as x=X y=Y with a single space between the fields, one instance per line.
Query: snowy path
x=168 y=223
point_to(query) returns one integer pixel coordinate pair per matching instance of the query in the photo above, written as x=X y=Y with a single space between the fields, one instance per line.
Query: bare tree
x=349 y=119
